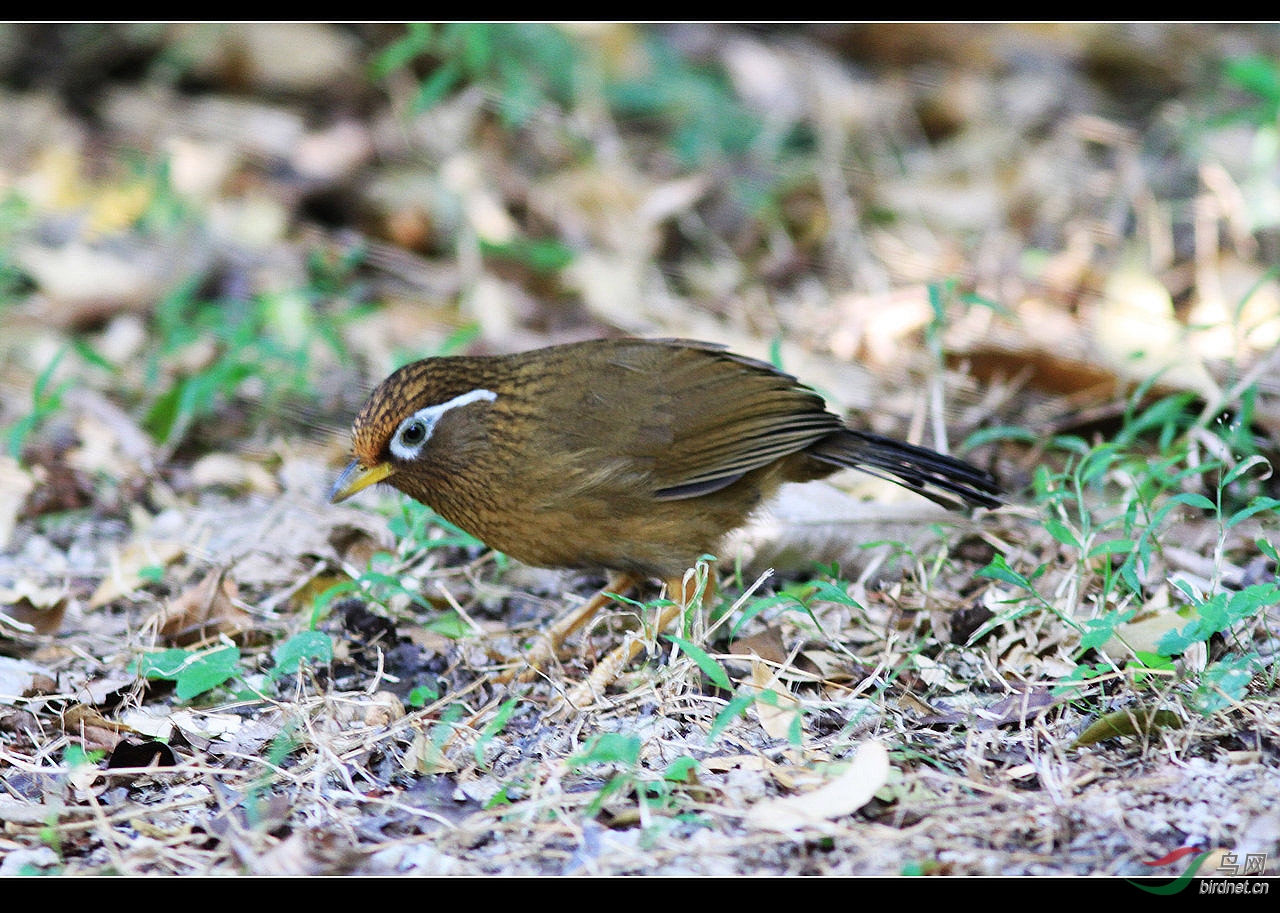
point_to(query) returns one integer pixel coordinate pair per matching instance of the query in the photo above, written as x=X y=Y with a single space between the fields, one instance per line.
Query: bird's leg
x=551 y=640
x=683 y=592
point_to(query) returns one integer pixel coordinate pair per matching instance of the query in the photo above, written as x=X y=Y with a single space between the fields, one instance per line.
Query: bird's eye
x=417 y=428
x=413 y=434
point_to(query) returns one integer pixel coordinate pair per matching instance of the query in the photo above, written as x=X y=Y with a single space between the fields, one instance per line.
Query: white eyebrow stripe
x=429 y=416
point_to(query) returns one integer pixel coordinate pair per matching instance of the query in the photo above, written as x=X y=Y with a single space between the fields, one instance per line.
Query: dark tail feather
x=942 y=479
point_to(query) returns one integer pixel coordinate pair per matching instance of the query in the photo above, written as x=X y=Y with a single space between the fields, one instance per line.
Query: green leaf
x=999 y=433
x=1063 y=533
x=998 y=569
x=494 y=727
x=1112 y=547
x=450 y=624
x=302 y=647
x=1256 y=506
x=1219 y=613
x=757 y=606
x=734 y=709
x=609 y=748
x=1153 y=661
x=194 y=673
x=1080 y=675
x=1245 y=466
x=541 y=256
x=422 y=695
x=210 y=671
x=75 y=756
x=399 y=54
x=436 y=86
x=1097 y=631
x=681 y=770
x=709 y=666
x=1223 y=684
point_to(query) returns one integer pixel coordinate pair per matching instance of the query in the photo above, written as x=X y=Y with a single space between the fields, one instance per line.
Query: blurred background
x=200 y=221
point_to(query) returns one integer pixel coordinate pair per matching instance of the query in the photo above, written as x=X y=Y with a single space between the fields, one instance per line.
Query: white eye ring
x=414 y=432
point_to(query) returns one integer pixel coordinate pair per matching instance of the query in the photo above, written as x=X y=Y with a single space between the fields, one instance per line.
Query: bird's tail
x=942 y=479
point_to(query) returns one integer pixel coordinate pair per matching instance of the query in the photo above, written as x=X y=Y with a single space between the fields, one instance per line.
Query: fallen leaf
x=776 y=709
x=94 y=731
x=202 y=611
x=230 y=471
x=425 y=756
x=1141 y=636
x=842 y=796
x=19 y=677
x=15 y=484
x=766 y=644
x=1130 y=721
x=383 y=709
x=38 y=608
x=132 y=565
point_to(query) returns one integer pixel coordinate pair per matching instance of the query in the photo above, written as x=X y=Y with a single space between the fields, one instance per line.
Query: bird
x=630 y=456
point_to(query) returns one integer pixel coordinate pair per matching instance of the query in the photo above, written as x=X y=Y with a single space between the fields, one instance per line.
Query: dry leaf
x=15 y=485
x=202 y=611
x=1141 y=635
x=779 y=715
x=766 y=644
x=85 y=283
x=1136 y=332
x=840 y=797
x=39 y=609
x=234 y=472
x=156 y=542
x=383 y=709
x=424 y=755
x=95 y=731
x=724 y=763
x=20 y=677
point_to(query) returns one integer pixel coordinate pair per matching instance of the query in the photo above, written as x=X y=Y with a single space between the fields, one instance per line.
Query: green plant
x=522 y=66
x=194 y=671
x=1114 y=506
x=209 y=352
x=493 y=727
x=693 y=102
x=1258 y=77
x=419 y=532
x=525 y=67
x=622 y=753
x=301 y=648
x=420 y=696
x=15 y=212
x=46 y=399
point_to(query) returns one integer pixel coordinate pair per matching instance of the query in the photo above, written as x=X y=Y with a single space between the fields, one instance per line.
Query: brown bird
x=632 y=456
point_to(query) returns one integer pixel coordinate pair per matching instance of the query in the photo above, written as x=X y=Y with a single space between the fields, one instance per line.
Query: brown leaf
x=39 y=608
x=778 y=714
x=94 y=731
x=203 y=611
x=767 y=645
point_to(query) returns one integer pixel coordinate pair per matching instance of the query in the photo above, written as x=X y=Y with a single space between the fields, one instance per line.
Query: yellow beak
x=357 y=478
